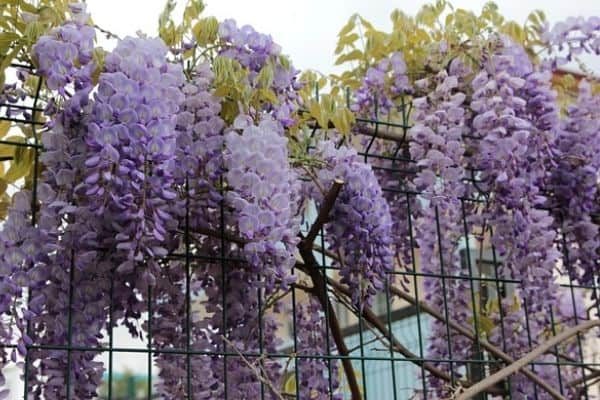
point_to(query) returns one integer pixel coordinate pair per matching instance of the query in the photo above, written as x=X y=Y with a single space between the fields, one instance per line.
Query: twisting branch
x=311 y=267
x=109 y=34
x=527 y=359
x=326 y=207
x=319 y=289
x=494 y=350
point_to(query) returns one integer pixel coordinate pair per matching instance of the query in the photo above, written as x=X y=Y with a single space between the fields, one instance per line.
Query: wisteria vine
x=170 y=196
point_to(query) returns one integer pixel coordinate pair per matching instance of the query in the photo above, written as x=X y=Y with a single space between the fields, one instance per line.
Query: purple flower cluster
x=516 y=117
x=255 y=51
x=56 y=252
x=171 y=331
x=251 y=48
x=235 y=310
x=571 y=38
x=440 y=121
x=17 y=249
x=574 y=184
x=383 y=83
x=65 y=55
x=263 y=195
x=315 y=374
x=199 y=144
x=131 y=140
x=361 y=224
x=383 y=86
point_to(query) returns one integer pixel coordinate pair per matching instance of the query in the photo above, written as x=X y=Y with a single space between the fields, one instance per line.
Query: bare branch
x=255 y=371
x=462 y=330
x=484 y=343
x=205 y=230
x=527 y=359
x=584 y=378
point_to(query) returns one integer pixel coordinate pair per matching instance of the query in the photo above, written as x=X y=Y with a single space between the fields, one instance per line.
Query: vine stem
x=323 y=216
x=311 y=267
x=527 y=359
x=376 y=322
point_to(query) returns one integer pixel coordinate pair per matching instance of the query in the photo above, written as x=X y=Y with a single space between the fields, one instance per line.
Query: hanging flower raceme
x=132 y=148
x=574 y=183
x=198 y=155
x=516 y=119
x=318 y=377
x=381 y=94
x=71 y=279
x=17 y=235
x=63 y=272
x=440 y=121
x=65 y=54
x=384 y=83
x=360 y=231
x=263 y=195
x=269 y=71
x=570 y=39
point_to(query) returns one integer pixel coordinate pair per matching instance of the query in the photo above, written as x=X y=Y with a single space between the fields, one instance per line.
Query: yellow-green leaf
x=20 y=168
x=352 y=56
x=348 y=40
x=346 y=29
x=192 y=10
x=4 y=127
x=7 y=60
x=6 y=39
x=317 y=113
x=205 y=30
x=7 y=150
x=265 y=76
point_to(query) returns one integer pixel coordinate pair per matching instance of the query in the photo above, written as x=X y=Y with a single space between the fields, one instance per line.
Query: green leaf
x=265 y=76
x=7 y=150
x=366 y=24
x=268 y=95
x=317 y=113
x=343 y=120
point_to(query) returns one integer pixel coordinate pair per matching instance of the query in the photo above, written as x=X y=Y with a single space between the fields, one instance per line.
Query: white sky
x=307 y=29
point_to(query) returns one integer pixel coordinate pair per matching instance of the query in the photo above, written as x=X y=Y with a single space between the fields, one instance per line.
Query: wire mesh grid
x=386 y=344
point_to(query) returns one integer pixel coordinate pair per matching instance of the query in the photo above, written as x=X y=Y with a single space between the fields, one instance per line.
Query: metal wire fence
x=386 y=344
